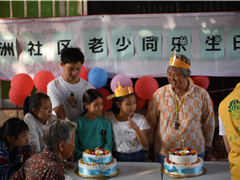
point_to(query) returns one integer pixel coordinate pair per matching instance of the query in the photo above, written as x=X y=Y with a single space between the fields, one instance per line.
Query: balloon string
x=220 y=90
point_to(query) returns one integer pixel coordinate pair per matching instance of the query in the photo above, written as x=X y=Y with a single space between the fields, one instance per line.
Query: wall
x=15 y=9
x=6 y=114
x=33 y=9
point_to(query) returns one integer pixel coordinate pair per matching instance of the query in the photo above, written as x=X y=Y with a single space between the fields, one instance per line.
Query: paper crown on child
x=179 y=62
x=121 y=91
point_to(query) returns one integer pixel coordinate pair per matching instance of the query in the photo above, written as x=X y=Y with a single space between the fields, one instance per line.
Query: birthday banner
x=134 y=45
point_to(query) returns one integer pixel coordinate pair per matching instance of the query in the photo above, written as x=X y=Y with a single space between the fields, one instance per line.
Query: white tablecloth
x=215 y=171
x=129 y=170
x=151 y=170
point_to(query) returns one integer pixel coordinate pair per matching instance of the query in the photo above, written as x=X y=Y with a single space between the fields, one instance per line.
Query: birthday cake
x=97 y=163
x=183 y=162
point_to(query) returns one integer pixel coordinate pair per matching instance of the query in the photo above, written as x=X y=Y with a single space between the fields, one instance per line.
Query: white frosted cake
x=183 y=162
x=97 y=163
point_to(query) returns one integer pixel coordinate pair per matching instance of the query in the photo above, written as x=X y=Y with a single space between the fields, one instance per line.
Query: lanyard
x=178 y=107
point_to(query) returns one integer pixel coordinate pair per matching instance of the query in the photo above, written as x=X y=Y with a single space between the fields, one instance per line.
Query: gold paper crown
x=179 y=62
x=121 y=91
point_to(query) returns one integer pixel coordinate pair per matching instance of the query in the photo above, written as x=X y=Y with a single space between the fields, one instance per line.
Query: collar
x=51 y=155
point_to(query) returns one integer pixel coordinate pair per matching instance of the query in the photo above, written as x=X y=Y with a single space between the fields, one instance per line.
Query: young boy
x=67 y=90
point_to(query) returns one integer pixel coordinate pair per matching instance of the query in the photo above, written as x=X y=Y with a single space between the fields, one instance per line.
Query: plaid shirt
x=196 y=118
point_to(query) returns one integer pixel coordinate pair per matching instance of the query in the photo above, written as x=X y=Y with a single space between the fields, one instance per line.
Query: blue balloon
x=97 y=77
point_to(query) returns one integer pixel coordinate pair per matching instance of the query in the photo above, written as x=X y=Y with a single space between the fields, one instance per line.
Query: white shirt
x=68 y=95
x=35 y=132
x=126 y=140
x=221 y=127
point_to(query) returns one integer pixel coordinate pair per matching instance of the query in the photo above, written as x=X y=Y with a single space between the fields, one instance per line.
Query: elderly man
x=179 y=111
x=59 y=140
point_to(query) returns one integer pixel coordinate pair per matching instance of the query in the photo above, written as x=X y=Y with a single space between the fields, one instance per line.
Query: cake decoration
x=97 y=162
x=183 y=162
x=186 y=151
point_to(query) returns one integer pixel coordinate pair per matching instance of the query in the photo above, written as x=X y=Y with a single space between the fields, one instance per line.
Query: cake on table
x=97 y=163
x=183 y=162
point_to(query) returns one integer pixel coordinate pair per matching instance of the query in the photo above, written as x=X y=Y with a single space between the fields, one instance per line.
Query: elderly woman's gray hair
x=58 y=131
x=186 y=72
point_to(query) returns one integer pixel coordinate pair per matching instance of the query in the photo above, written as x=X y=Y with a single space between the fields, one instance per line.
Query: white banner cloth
x=133 y=68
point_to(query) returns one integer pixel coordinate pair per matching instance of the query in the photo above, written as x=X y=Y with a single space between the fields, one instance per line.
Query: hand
x=68 y=165
x=131 y=124
x=211 y=158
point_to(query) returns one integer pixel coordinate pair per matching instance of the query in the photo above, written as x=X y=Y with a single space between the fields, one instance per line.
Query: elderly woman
x=59 y=140
x=179 y=111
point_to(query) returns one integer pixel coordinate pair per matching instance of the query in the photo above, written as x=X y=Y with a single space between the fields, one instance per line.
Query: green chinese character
x=235 y=137
x=234 y=109
x=230 y=139
x=237 y=129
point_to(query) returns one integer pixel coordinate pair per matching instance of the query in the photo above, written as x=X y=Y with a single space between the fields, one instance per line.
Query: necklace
x=177 y=109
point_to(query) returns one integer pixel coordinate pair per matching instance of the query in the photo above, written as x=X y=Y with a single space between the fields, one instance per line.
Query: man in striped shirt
x=179 y=111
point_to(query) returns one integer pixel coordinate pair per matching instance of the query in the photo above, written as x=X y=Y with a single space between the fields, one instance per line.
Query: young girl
x=37 y=114
x=92 y=130
x=13 y=136
x=218 y=152
x=129 y=129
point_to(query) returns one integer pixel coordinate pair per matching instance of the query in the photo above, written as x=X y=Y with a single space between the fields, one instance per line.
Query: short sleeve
x=32 y=133
x=89 y=86
x=143 y=125
x=54 y=94
x=221 y=127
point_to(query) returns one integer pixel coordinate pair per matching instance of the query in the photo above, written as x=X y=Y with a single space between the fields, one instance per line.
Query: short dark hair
x=120 y=99
x=72 y=55
x=89 y=96
x=12 y=127
x=33 y=101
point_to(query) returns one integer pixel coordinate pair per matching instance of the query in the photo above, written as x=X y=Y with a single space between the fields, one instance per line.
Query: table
x=215 y=171
x=151 y=170
x=129 y=170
